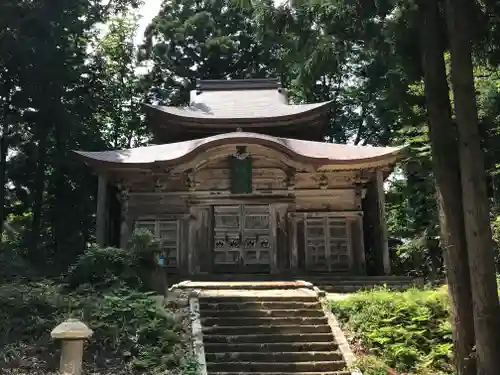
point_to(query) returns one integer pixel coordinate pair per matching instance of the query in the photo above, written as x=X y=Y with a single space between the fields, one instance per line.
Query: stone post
x=72 y=334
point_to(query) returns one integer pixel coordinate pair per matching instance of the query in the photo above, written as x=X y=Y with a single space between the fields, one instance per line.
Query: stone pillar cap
x=71 y=329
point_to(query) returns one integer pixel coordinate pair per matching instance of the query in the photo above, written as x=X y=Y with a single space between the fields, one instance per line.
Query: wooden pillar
x=282 y=249
x=199 y=258
x=382 y=222
x=102 y=212
x=192 y=240
x=292 y=243
x=125 y=229
x=183 y=245
x=274 y=239
x=358 y=245
x=361 y=250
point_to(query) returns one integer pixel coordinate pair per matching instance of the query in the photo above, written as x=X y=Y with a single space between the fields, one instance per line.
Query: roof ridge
x=237 y=84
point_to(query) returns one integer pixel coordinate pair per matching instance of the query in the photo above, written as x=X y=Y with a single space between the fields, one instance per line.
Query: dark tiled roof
x=240 y=104
x=314 y=152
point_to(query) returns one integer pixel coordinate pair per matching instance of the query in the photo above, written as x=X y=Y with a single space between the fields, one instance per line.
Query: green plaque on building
x=241 y=172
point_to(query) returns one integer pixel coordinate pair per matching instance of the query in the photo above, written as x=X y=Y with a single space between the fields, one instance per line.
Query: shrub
x=409 y=331
x=12 y=264
x=106 y=267
x=132 y=331
x=28 y=312
x=370 y=365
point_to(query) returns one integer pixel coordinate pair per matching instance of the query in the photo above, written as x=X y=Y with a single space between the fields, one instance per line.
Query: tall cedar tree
x=445 y=162
x=475 y=200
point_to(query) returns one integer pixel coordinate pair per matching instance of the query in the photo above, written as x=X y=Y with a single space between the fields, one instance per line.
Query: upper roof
x=320 y=154
x=228 y=104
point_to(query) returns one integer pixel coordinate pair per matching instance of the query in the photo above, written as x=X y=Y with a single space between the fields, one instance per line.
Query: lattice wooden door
x=242 y=240
x=326 y=243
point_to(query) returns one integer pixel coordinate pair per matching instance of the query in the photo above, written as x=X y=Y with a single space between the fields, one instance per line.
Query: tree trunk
x=4 y=148
x=60 y=229
x=38 y=195
x=445 y=161
x=475 y=201
x=3 y=162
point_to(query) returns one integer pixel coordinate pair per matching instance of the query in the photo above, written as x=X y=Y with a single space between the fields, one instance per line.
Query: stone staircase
x=271 y=332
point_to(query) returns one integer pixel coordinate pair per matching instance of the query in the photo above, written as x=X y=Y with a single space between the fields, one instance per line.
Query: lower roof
x=319 y=154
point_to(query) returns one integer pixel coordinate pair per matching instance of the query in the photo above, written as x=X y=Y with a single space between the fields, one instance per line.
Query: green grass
x=399 y=332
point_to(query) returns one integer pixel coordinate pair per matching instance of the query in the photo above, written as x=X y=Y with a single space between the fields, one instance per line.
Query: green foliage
x=28 y=311
x=132 y=330
x=132 y=325
x=371 y=365
x=107 y=267
x=495 y=230
x=64 y=86
x=203 y=39
x=103 y=267
x=408 y=331
x=142 y=242
x=67 y=87
x=12 y=263
x=114 y=60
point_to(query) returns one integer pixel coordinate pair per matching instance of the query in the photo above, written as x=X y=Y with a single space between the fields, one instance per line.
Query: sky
x=146 y=13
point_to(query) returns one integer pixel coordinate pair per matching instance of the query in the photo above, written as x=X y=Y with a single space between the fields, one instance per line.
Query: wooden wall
x=188 y=193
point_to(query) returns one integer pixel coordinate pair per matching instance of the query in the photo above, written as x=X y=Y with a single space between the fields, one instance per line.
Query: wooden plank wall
x=189 y=198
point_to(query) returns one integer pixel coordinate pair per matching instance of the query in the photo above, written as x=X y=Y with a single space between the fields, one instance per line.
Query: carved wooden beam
x=190 y=179
x=291 y=178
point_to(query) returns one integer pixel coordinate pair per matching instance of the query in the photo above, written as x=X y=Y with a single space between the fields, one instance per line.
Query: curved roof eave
x=279 y=115
x=319 y=154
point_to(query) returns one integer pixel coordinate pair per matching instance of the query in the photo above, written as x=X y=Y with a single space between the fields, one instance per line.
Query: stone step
x=271 y=347
x=254 y=338
x=264 y=313
x=273 y=357
x=208 y=304
x=243 y=330
x=240 y=285
x=282 y=373
x=255 y=299
x=267 y=332
x=275 y=280
x=287 y=367
x=262 y=321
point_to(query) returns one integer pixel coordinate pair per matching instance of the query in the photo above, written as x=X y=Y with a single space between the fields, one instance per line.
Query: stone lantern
x=72 y=334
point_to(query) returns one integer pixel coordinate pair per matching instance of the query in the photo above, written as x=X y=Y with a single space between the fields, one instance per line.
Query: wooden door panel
x=326 y=242
x=256 y=231
x=242 y=238
x=227 y=236
x=227 y=217
x=338 y=238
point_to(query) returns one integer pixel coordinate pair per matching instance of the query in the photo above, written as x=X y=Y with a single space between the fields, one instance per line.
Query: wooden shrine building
x=243 y=182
